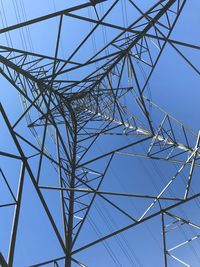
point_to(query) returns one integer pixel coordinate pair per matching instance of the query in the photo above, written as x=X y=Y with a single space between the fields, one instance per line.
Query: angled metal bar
x=73 y=161
x=16 y=217
x=7 y=205
x=168 y=184
x=164 y=240
x=49 y=16
x=180 y=261
x=5 y=154
x=183 y=220
x=115 y=150
x=93 y=199
x=136 y=223
x=25 y=162
x=28 y=53
x=3 y=262
x=117 y=27
x=61 y=193
x=184 y=243
x=166 y=38
x=48 y=261
x=154 y=158
x=43 y=140
x=192 y=167
x=86 y=38
x=108 y=193
x=139 y=37
x=9 y=188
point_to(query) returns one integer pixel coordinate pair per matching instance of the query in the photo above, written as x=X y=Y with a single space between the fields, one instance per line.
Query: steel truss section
x=79 y=111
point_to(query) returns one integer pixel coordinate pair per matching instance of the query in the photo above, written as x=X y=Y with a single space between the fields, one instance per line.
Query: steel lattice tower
x=72 y=106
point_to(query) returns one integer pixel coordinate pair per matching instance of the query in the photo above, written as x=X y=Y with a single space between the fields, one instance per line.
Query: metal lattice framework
x=72 y=106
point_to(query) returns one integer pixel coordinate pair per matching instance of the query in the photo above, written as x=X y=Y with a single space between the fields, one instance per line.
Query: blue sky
x=174 y=86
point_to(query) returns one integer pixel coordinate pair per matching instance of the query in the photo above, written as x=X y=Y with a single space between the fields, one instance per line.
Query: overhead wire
x=5 y=24
x=21 y=30
x=105 y=43
x=172 y=194
x=105 y=244
x=22 y=5
x=196 y=200
x=24 y=41
x=94 y=45
x=195 y=253
x=104 y=32
x=120 y=239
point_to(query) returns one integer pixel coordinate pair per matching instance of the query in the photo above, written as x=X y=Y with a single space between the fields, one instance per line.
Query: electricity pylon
x=77 y=104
